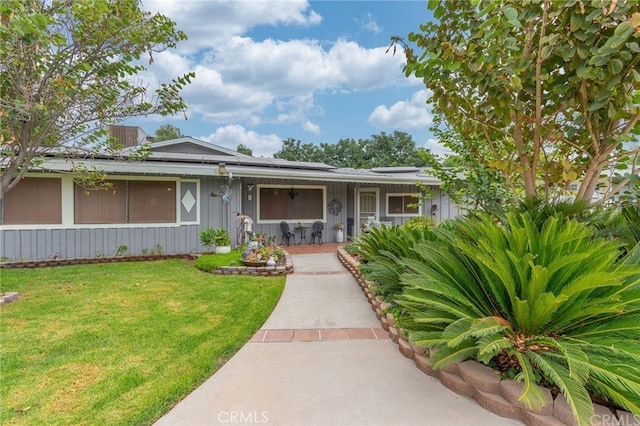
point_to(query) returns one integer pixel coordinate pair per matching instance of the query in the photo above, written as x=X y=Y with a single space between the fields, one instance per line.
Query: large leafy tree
x=295 y=150
x=345 y=153
x=167 y=132
x=68 y=69
x=382 y=150
x=243 y=149
x=550 y=89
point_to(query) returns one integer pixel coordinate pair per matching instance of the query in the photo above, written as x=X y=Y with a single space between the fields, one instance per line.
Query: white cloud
x=250 y=82
x=409 y=114
x=311 y=127
x=208 y=23
x=233 y=135
x=368 y=23
x=292 y=68
x=239 y=80
x=219 y=101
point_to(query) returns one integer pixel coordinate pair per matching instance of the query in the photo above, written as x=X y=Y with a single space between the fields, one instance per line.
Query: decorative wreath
x=335 y=207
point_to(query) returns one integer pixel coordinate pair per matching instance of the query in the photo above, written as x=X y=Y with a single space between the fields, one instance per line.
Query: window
x=152 y=202
x=34 y=201
x=135 y=201
x=295 y=203
x=403 y=205
x=101 y=206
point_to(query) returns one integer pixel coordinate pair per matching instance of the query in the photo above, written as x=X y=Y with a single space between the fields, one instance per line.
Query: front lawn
x=120 y=343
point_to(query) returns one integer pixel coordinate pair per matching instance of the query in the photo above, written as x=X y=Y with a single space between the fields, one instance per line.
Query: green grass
x=209 y=262
x=119 y=343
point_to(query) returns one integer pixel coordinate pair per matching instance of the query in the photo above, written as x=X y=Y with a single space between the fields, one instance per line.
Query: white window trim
x=67 y=188
x=295 y=220
x=402 y=194
x=179 y=201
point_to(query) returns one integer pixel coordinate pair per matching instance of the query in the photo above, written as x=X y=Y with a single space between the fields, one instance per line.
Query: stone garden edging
x=479 y=382
x=287 y=268
x=91 y=260
x=258 y=270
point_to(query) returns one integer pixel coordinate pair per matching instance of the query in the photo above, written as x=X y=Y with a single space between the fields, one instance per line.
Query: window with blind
x=402 y=205
x=304 y=204
x=34 y=201
x=135 y=201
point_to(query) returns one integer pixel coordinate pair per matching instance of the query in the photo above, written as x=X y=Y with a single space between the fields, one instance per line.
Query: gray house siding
x=73 y=242
x=39 y=244
x=213 y=211
x=344 y=192
x=201 y=202
x=333 y=190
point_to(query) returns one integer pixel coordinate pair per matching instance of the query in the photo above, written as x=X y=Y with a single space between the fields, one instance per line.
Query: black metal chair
x=286 y=233
x=316 y=229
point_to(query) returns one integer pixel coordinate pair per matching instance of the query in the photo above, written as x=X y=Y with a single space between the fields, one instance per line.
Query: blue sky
x=269 y=70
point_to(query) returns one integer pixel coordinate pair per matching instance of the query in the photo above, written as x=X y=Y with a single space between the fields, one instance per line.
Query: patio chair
x=286 y=233
x=316 y=229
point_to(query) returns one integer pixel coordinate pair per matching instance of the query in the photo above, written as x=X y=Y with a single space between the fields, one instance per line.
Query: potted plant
x=222 y=240
x=207 y=238
x=340 y=232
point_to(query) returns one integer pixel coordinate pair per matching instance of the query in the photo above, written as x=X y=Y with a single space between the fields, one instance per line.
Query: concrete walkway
x=322 y=359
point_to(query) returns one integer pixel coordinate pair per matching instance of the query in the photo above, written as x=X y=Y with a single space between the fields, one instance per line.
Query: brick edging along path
x=318 y=335
x=479 y=382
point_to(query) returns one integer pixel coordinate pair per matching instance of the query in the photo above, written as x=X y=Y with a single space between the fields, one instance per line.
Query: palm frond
x=447 y=355
x=625 y=327
x=532 y=396
x=490 y=346
x=576 y=395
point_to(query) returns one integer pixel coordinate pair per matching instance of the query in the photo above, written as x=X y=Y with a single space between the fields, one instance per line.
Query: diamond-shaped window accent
x=188 y=201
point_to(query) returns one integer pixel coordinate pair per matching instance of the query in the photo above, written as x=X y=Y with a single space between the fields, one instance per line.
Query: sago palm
x=384 y=247
x=550 y=299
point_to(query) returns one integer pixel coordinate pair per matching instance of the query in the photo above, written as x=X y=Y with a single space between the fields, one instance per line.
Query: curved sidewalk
x=322 y=359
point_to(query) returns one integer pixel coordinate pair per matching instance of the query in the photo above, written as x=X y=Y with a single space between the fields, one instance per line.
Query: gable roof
x=188 y=144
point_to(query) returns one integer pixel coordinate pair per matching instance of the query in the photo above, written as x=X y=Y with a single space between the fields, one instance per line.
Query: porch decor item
x=316 y=233
x=335 y=207
x=222 y=240
x=340 y=232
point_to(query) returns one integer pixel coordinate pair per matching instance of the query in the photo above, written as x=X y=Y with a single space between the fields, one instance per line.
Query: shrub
x=221 y=237
x=384 y=248
x=207 y=238
x=550 y=301
x=210 y=262
x=210 y=237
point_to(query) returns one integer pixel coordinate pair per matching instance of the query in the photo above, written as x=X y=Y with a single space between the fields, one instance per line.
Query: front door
x=367 y=207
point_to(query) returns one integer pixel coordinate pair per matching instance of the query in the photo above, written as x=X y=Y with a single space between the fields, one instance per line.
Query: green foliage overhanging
x=70 y=69
x=545 y=92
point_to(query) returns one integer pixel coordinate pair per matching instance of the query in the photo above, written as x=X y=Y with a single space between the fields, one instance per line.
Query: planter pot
x=223 y=249
x=339 y=236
